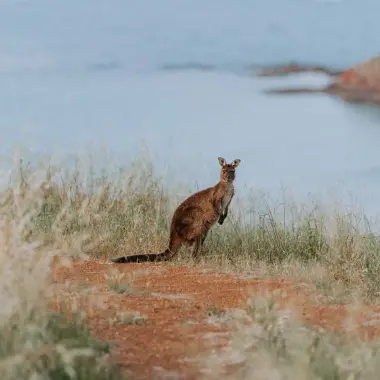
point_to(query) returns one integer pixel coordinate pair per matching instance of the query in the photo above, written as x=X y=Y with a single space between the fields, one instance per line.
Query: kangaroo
x=195 y=216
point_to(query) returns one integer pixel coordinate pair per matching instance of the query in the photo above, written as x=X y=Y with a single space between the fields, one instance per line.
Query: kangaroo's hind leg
x=196 y=248
x=198 y=244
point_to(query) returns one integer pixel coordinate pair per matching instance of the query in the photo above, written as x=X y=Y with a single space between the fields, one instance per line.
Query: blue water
x=91 y=74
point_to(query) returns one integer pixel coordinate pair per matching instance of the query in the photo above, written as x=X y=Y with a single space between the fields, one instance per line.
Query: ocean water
x=122 y=76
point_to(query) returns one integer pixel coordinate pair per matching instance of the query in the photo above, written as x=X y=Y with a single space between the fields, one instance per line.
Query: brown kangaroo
x=195 y=216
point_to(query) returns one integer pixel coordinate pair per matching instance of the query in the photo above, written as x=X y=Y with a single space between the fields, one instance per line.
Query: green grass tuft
x=49 y=346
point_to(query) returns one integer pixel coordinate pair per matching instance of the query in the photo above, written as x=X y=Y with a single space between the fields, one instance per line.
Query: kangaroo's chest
x=227 y=197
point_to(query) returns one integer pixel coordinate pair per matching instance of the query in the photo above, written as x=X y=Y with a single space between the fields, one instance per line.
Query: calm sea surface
x=90 y=75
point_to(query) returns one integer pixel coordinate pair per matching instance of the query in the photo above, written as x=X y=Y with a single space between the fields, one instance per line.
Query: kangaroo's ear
x=222 y=161
x=235 y=163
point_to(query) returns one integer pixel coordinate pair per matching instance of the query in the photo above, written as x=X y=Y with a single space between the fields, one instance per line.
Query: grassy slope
x=37 y=343
x=48 y=211
x=130 y=213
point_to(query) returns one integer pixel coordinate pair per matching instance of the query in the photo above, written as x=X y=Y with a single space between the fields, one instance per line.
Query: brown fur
x=195 y=216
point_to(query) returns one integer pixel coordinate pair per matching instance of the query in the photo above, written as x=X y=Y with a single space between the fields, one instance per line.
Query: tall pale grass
x=268 y=343
x=36 y=343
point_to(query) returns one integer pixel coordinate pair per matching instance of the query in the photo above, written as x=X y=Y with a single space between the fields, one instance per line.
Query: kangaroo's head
x=227 y=173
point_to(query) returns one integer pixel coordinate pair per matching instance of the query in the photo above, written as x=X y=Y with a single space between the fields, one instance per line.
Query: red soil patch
x=175 y=302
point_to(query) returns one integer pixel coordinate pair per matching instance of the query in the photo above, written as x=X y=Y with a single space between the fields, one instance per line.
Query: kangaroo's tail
x=148 y=257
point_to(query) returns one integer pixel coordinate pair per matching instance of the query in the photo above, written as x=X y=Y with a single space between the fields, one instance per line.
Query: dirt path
x=176 y=302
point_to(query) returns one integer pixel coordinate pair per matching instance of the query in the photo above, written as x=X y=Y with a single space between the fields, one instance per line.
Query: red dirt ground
x=175 y=301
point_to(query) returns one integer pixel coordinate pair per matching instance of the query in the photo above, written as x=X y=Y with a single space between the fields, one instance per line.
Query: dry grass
x=129 y=212
x=46 y=211
x=37 y=343
x=269 y=344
